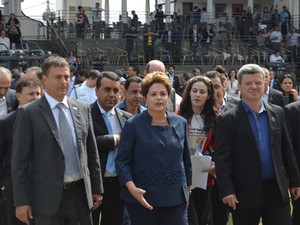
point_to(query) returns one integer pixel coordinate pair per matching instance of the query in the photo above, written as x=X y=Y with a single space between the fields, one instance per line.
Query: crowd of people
x=119 y=147
x=81 y=146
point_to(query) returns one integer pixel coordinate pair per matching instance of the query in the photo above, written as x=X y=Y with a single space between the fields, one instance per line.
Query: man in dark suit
x=254 y=156
x=271 y=95
x=174 y=79
x=108 y=122
x=73 y=80
x=292 y=115
x=27 y=90
x=8 y=100
x=55 y=164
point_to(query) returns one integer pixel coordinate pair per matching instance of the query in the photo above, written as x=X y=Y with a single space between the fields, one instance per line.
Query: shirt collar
x=248 y=109
x=112 y=111
x=53 y=102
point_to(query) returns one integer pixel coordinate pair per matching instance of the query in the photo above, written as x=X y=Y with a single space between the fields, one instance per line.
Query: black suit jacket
x=237 y=157
x=6 y=139
x=105 y=141
x=292 y=113
x=38 y=165
x=11 y=100
x=275 y=97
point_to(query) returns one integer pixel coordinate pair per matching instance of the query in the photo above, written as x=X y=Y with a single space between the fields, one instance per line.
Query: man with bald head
x=156 y=65
x=8 y=101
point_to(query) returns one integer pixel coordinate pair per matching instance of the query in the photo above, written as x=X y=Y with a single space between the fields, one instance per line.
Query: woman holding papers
x=197 y=107
x=153 y=161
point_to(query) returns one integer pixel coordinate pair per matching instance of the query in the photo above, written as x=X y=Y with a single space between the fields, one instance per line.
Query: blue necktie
x=110 y=165
x=69 y=148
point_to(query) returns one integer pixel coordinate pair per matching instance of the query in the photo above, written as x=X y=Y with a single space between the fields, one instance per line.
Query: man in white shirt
x=4 y=41
x=275 y=38
x=86 y=90
x=276 y=58
x=292 y=41
x=97 y=13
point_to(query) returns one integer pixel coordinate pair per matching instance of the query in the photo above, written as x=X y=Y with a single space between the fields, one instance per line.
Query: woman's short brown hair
x=156 y=77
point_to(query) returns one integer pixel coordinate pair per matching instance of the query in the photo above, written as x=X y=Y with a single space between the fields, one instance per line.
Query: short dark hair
x=72 y=69
x=53 y=61
x=107 y=74
x=172 y=66
x=27 y=82
x=132 y=79
x=94 y=74
x=135 y=68
x=214 y=74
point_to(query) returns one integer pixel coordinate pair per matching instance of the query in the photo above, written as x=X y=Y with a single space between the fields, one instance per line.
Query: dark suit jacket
x=232 y=100
x=164 y=172
x=176 y=82
x=105 y=141
x=237 y=157
x=11 y=100
x=292 y=113
x=275 y=97
x=6 y=139
x=37 y=159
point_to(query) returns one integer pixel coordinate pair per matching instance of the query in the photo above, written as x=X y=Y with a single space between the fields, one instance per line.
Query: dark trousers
x=3 y=219
x=9 y=205
x=149 y=53
x=173 y=215
x=296 y=212
x=220 y=211
x=73 y=209
x=273 y=211
x=112 y=207
x=200 y=206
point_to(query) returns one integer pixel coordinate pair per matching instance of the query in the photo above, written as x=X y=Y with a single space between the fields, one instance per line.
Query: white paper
x=199 y=163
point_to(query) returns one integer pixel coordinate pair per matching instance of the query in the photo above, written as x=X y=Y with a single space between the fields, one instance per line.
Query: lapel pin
x=273 y=119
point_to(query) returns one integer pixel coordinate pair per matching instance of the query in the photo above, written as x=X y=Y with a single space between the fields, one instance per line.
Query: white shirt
x=97 y=14
x=292 y=39
x=84 y=93
x=276 y=59
x=3 y=107
x=276 y=36
x=53 y=103
x=5 y=41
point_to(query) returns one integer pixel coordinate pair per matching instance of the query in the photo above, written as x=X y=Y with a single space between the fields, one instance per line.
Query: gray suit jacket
x=38 y=161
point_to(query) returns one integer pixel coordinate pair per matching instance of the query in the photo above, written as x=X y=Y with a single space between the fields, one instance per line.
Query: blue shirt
x=260 y=126
x=122 y=105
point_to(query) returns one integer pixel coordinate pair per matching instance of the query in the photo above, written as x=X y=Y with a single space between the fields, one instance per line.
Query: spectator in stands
x=287 y=87
x=292 y=41
x=71 y=58
x=86 y=22
x=99 y=62
x=135 y=19
x=13 y=30
x=169 y=39
x=265 y=16
x=159 y=18
x=149 y=41
x=274 y=18
x=194 y=37
x=275 y=38
x=284 y=14
x=131 y=36
x=97 y=14
x=204 y=17
x=195 y=16
x=260 y=40
x=80 y=23
x=4 y=41
x=276 y=57
x=285 y=27
x=207 y=38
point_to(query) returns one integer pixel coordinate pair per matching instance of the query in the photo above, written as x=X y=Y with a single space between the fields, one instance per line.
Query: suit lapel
x=243 y=120
x=97 y=117
x=272 y=118
x=120 y=116
x=46 y=112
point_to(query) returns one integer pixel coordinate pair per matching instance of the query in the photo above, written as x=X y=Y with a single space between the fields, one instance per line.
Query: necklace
x=160 y=122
